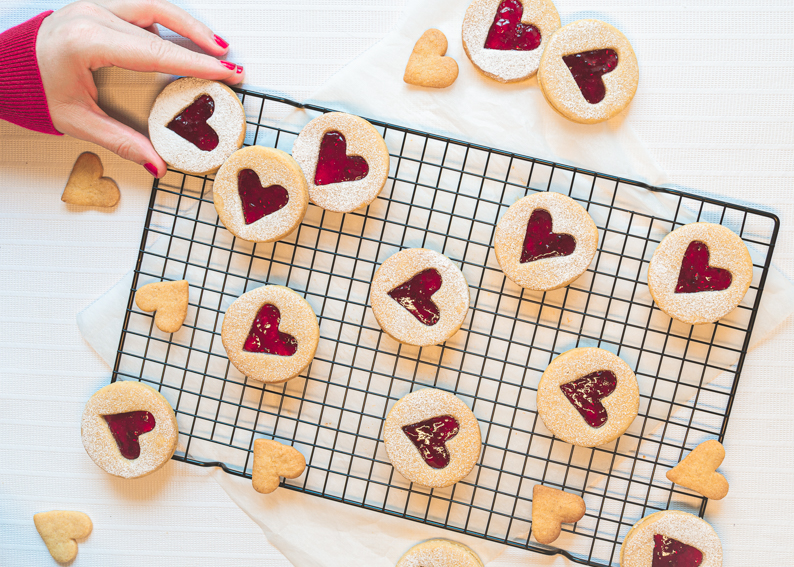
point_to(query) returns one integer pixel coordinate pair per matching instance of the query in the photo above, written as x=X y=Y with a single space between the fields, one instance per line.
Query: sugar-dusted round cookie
x=270 y=333
x=344 y=159
x=505 y=39
x=432 y=438
x=196 y=124
x=419 y=297
x=671 y=537
x=129 y=429
x=260 y=194
x=588 y=396
x=589 y=71
x=700 y=272
x=545 y=241
x=439 y=553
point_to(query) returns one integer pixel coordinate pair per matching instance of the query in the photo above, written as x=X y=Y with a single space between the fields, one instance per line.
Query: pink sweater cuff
x=22 y=98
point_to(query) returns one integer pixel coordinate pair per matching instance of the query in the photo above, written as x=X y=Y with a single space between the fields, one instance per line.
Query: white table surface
x=715 y=108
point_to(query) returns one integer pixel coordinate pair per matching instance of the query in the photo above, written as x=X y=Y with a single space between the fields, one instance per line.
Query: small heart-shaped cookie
x=427 y=66
x=273 y=460
x=168 y=299
x=86 y=186
x=698 y=470
x=59 y=529
x=550 y=509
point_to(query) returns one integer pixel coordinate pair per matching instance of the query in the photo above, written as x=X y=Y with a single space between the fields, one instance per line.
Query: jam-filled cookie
x=545 y=241
x=588 y=396
x=432 y=438
x=505 y=39
x=260 y=194
x=270 y=334
x=700 y=272
x=344 y=159
x=439 y=553
x=671 y=539
x=589 y=71
x=196 y=124
x=129 y=429
x=419 y=297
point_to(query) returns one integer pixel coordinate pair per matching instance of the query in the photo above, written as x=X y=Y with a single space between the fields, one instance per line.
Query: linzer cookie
x=129 y=429
x=260 y=194
x=439 y=553
x=419 y=297
x=588 y=71
x=344 y=159
x=588 y=396
x=196 y=124
x=700 y=272
x=432 y=438
x=270 y=333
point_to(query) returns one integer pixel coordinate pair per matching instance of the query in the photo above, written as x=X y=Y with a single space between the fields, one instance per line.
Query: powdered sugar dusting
x=439 y=553
x=637 y=549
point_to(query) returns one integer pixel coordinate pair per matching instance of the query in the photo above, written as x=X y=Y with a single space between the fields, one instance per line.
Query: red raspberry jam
x=430 y=437
x=508 y=33
x=127 y=427
x=266 y=338
x=415 y=295
x=540 y=242
x=259 y=201
x=696 y=274
x=585 y=395
x=333 y=163
x=587 y=69
x=668 y=552
x=192 y=125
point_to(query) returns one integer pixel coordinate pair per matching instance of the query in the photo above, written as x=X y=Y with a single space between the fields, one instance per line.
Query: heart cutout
x=540 y=242
x=550 y=509
x=192 y=124
x=507 y=33
x=87 y=187
x=127 y=427
x=430 y=437
x=427 y=66
x=696 y=275
x=258 y=201
x=698 y=470
x=273 y=460
x=265 y=337
x=333 y=163
x=586 y=393
x=669 y=552
x=59 y=529
x=169 y=300
x=415 y=296
x=587 y=69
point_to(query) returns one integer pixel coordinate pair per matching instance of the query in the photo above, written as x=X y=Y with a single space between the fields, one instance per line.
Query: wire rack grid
x=446 y=195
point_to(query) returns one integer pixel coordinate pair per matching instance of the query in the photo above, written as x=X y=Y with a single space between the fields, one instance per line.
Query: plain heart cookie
x=87 y=187
x=550 y=509
x=273 y=460
x=59 y=529
x=698 y=470
x=169 y=301
x=439 y=553
x=427 y=66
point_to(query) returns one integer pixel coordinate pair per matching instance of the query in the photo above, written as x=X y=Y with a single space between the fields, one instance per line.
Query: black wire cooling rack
x=446 y=195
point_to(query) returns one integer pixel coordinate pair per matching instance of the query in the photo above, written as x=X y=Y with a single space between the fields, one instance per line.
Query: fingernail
x=222 y=42
x=239 y=69
x=229 y=66
x=150 y=168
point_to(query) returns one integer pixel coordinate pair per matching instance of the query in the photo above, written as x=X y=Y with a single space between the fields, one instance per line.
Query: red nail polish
x=229 y=66
x=239 y=69
x=220 y=41
x=150 y=168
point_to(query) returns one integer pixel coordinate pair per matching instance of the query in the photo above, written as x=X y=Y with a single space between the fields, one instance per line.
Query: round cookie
x=605 y=64
x=270 y=334
x=505 y=39
x=545 y=241
x=668 y=535
x=419 y=297
x=129 y=429
x=260 y=194
x=588 y=397
x=196 y=124
x=432 y=438
x=439 y=553
x=344 y=159
x=687 y=274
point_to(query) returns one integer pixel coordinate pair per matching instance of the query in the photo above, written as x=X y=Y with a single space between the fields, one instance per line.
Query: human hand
x=88 y=35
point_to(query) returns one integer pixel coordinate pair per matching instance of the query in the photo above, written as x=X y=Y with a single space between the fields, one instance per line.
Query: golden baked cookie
x=273 y=460
x=169 y=301
x=439 y=553
x=59 y=529
x=671 y=538
x=550 y=509
x=545 y=241
x=427 y=66
x=87 y=187
x=698 y=470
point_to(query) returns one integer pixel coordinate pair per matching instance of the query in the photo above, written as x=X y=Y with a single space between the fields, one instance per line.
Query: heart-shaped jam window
x=333 y=163
x=415 y=296
x=585 y=395
x=587 y=69
x=258 y=201
x=507 y=33
x=669 y=552
x=265 y=337
x=540 y=242
x=192 y=125
x=430 y=437
x=696 y=274
x=126 y=428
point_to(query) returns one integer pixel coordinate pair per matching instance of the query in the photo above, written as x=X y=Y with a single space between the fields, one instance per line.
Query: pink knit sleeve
x=22 y=98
